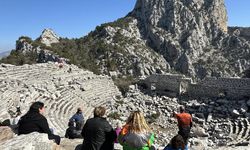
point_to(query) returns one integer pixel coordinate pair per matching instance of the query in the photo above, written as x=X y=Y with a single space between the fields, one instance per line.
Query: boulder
x=6 y=133
x=36 y=141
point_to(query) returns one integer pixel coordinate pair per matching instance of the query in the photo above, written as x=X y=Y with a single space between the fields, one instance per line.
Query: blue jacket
x=77 y=117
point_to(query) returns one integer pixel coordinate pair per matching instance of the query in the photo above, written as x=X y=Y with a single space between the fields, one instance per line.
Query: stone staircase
x=239 y=131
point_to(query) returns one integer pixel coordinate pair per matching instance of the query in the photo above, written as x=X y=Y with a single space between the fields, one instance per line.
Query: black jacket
x=33 y=122
x=98 y=134
x=72 y=133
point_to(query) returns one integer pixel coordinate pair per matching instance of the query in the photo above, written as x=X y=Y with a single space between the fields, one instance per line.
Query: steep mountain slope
x=185 y=36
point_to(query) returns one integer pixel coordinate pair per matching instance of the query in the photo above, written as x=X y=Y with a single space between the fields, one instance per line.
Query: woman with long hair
x=136 y=134
x=34 y=121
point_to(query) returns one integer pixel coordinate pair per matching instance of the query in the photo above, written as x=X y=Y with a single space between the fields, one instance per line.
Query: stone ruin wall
x=208 y=87
x=164 y=83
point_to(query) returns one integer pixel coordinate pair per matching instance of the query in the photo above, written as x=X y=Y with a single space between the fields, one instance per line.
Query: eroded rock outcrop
x=48 y=37
x=29 y=48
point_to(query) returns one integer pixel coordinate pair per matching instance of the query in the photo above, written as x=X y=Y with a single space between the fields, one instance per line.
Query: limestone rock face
x=26 y=46
x=188 y=36
x=184 y=15
x=192 y=24
x=120 y=47
x=181 y=27
x=48 y=37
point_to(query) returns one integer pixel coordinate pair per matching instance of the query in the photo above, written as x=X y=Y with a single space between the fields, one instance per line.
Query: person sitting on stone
x=184 y=123
x=98 y=134
x=34 y=121
x=136 y=134
x=17 y=116
x=78 y=118
x=15 y=120
x=72 y=131
x=176 y=143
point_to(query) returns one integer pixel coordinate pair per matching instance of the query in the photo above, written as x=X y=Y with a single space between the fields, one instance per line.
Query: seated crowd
x=98 y=134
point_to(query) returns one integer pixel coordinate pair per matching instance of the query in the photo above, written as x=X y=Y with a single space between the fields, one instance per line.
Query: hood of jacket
x=137 y=140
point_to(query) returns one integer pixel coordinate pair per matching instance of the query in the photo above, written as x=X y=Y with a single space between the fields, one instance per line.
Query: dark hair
x=178 y=142
x=79 y=110
x=36 y=106
x=182 y=109
x=99 y=111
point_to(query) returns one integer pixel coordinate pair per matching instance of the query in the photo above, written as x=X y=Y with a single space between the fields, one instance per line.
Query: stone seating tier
x=61 y=91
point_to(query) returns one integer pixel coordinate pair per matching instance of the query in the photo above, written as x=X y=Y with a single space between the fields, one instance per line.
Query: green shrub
x=123 y=83
x=153 y=117
x=114 y=115
x=120 y=102
x=26 y=38
x=18 y=58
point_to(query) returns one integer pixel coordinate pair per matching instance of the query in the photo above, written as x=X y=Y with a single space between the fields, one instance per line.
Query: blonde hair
x=137 y=123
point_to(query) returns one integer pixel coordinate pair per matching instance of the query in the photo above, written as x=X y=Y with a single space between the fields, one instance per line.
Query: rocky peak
x=191 y=24
x=176 y=16
x=174 y=28
x=48 y=37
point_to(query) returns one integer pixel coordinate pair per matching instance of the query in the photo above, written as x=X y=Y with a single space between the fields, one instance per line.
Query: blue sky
x=76 y=18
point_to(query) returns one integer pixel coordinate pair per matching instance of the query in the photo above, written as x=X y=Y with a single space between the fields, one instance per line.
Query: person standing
x=34 y=121
x=184 y=123
x=136 y=134
x=98 y=134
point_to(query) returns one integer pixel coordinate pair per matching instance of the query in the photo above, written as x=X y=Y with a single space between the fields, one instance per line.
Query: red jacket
x=184 y=119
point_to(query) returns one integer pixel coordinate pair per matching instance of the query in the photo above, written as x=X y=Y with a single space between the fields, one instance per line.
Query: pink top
x=117 y=130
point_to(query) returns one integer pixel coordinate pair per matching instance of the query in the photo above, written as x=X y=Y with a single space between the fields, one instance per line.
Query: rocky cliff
x=187 y=36
x=181 y=30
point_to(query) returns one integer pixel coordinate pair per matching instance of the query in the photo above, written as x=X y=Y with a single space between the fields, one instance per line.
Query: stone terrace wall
x=165 y=82
x=213 y=87
x=208 y=87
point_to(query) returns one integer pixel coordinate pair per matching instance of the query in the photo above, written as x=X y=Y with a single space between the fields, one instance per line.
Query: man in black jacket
x=98 y=134
x=34 y=121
